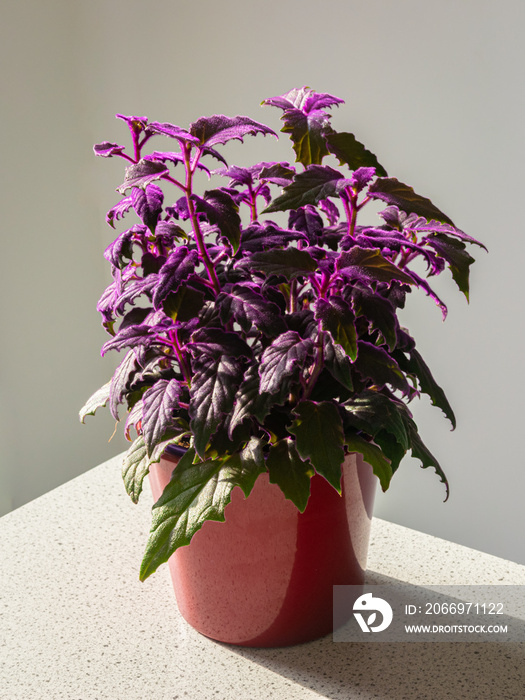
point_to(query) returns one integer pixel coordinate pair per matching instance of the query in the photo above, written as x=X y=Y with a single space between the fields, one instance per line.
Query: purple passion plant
x=258 y=347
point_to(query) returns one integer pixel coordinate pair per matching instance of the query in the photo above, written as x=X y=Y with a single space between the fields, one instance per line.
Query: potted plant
x=265 y=356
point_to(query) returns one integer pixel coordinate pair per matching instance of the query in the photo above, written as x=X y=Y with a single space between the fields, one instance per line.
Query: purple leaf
x=175 y=158
x=280 y=174
x=304 y=99
x=105 y=306
x=151 y=263
x=121 y=382
x=284 y=360
x=136 y=316
x=424 y=226
x=394 y=241
x=368 y=264
x=129 y=337
x=249 y=307
x=147 y=203
x=166 y=232
x=237 y=175
x=136 y=124
x=122 y=246
x=265 y=236
x=330 y=210
x=142 y=173
x=309 y=187
x=430 y=292
x=179 y=210
x=308 y=220
x=211 y=131
x=392 y=191
x=289 y=263
x=176 y=270
x=159 y=404
x=361 y=177
x=220 y=210
x=107 y=150
x=132 y=290
x=214 y=385
x=174 y=132
x=216 y=342
x=214 y=154
x=118 y=211
x=338 y=319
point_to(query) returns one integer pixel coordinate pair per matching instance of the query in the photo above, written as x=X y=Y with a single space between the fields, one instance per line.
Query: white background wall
x=435 y=89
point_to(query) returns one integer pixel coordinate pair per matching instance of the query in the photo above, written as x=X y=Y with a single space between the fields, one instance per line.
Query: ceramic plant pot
x=265 y=576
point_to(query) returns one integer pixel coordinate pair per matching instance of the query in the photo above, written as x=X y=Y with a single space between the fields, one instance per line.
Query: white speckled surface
x=76 y=623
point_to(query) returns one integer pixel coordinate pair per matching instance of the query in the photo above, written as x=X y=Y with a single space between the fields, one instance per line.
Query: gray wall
x=435 y=89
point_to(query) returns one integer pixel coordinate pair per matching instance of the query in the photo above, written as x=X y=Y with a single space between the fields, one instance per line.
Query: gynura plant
x=256 y=346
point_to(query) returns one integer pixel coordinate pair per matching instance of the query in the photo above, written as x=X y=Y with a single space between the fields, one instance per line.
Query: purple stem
x=199 y=238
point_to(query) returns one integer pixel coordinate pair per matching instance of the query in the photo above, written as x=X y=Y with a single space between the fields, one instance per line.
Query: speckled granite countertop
x=76 y=623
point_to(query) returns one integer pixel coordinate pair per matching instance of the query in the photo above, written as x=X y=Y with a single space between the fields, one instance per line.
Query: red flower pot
x=265 y=576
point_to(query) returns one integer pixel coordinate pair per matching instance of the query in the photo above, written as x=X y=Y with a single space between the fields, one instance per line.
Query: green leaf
x=375 y=364
x=318 y=430
x=221 y=210
x=137 y=462
x=250 y=401
x=371 y=412
x=391 y=448
x=338 y=319
x=309 y=187
x=459 y=261
x=420 y=451
x=184 y=304
x=307 y=135
x=290 y=472
x=290 y=262
x=427 y=384
x=378 y=311
x=349 y=150
x=98 y=400
x=373 y=455
x=337 y=362
x=246 y=465
x=135 y=467
x=197 y=493
x=391 y=191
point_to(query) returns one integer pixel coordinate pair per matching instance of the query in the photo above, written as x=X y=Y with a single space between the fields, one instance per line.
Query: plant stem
x=253 y=204
x=180 y=356
x=319 y=362
x=350 y=206
x=322 y=288
x=199 y=238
